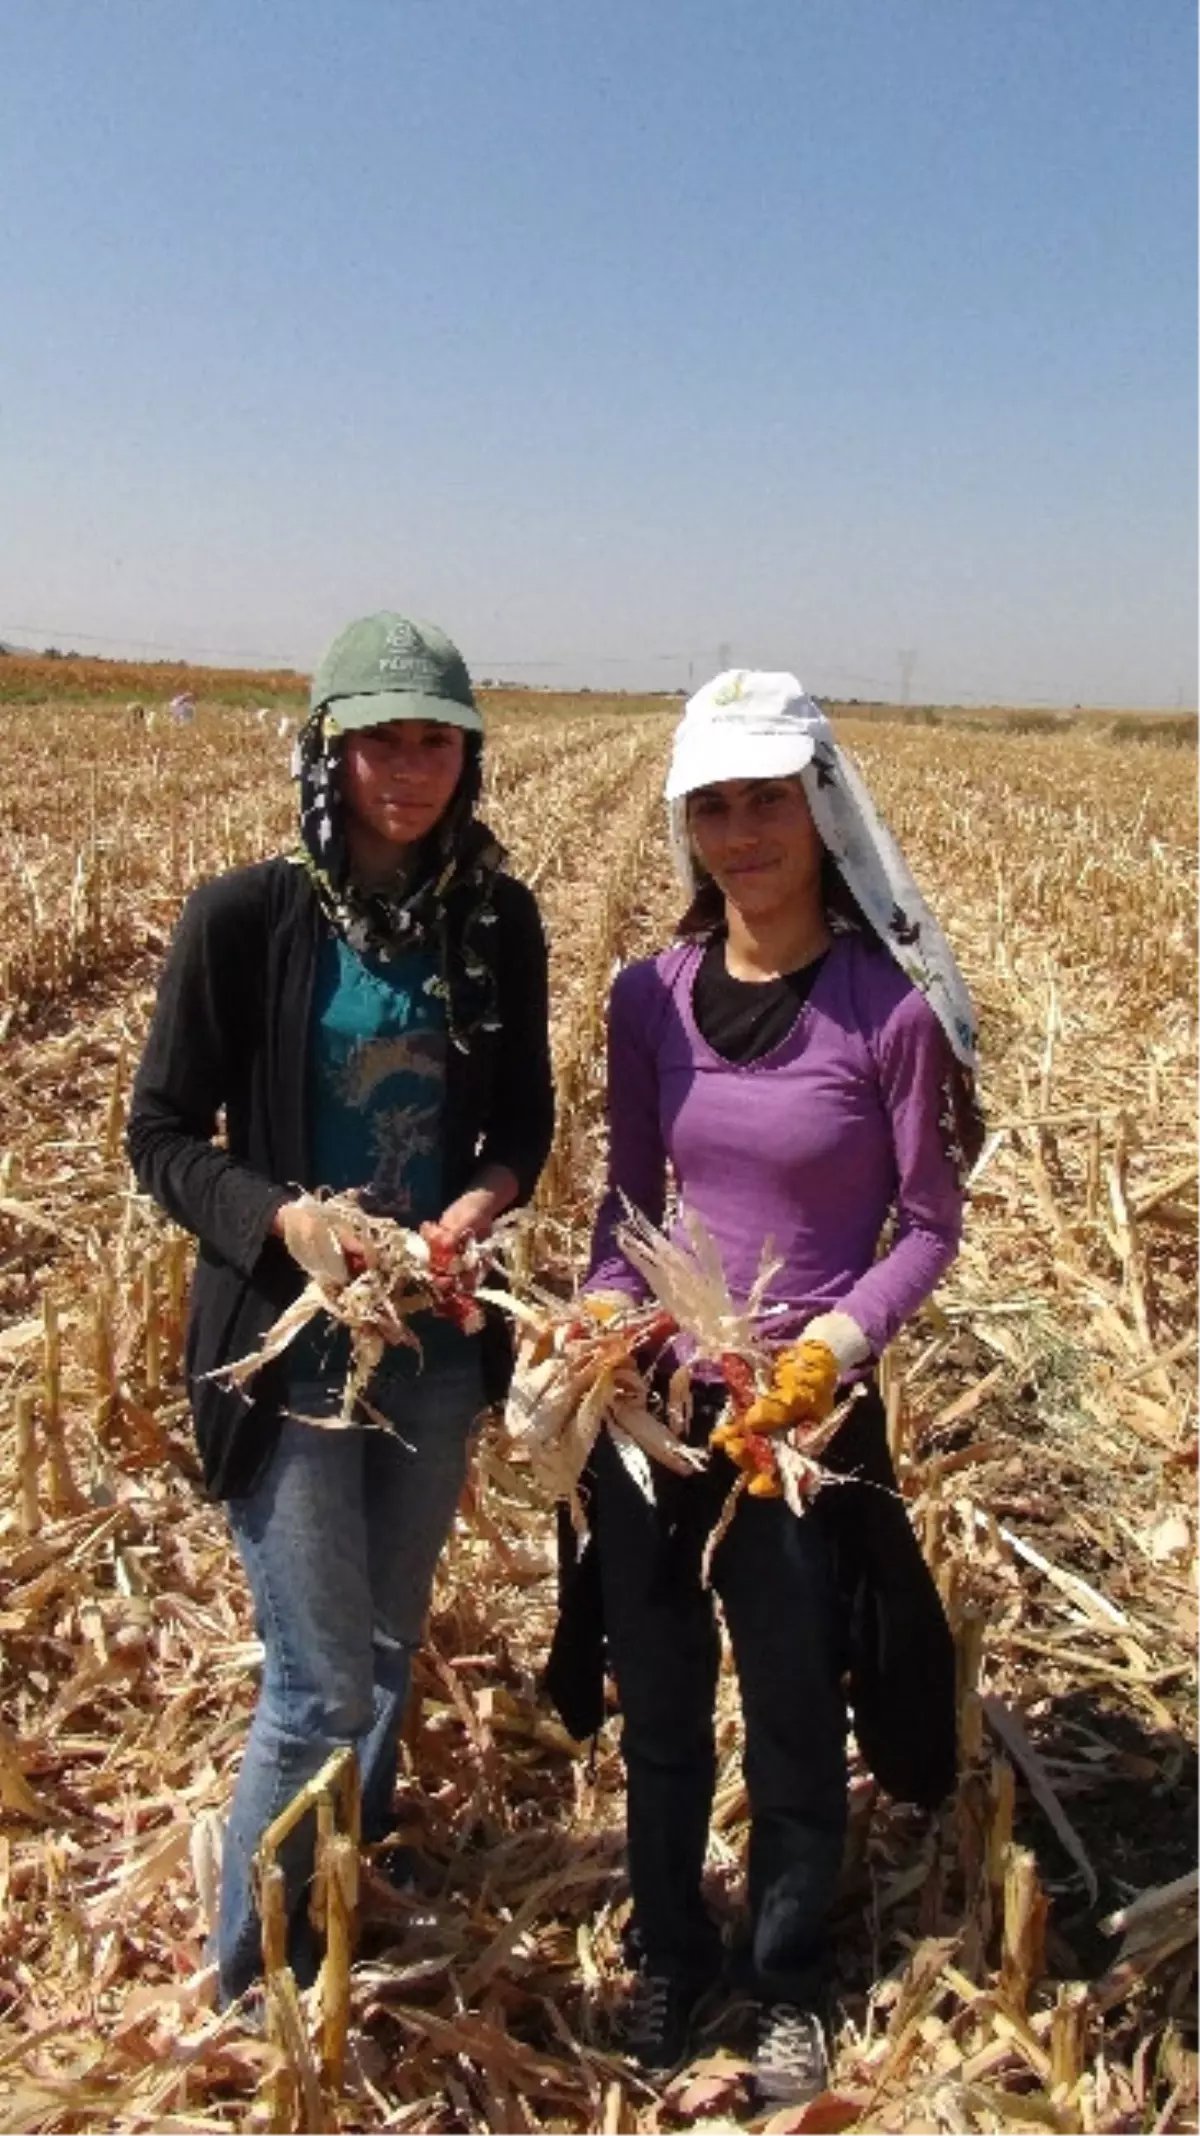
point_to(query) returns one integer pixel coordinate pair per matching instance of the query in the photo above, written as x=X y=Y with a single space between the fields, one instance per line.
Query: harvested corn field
x=1027 y=1960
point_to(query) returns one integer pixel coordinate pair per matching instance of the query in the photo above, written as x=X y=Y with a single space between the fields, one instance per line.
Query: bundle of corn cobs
x=604 y=1361
x=400 y=1273
x=587 y=1366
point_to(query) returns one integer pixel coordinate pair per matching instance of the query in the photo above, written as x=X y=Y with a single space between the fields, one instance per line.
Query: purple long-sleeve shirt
x=809 y=1147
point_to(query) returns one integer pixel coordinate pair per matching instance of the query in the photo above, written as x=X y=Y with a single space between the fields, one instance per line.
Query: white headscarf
x=746 y=724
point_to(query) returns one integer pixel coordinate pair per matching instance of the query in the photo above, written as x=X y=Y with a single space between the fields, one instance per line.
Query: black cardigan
x=230 y=1030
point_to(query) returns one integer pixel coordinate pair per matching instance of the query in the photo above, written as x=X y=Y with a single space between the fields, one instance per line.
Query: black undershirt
x=744 y=1019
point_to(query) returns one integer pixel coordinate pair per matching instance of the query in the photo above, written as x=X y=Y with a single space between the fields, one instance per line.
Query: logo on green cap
x=407 y=662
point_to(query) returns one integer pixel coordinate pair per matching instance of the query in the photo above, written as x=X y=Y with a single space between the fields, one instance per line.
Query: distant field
x=27 y=680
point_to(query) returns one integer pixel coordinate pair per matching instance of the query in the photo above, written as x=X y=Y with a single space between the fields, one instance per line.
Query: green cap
x=390 y=667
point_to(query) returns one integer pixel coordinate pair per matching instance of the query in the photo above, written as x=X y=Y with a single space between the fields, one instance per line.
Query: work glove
x=318 y=1244
x=802 y=1393
x=805 y=1379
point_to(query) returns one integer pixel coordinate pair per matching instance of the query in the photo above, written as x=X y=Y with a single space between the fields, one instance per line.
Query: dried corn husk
x=686 y=1276
x=404 y=1276
x=575 y=1374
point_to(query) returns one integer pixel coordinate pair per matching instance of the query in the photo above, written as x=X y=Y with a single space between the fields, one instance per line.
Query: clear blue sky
x=608 y=333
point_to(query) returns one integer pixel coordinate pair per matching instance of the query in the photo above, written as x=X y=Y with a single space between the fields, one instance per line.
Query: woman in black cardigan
x=369 y=1011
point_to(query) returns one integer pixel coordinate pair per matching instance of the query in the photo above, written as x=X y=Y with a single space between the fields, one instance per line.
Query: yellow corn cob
x=727 y=1435
x=764 y=1485
x=605 y=1305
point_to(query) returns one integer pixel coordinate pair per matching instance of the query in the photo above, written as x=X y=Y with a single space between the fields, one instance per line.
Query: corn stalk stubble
x=1057 y=1370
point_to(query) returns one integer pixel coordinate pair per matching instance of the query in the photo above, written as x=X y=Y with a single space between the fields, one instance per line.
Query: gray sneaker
x=791 y=2060
x=658 y=2018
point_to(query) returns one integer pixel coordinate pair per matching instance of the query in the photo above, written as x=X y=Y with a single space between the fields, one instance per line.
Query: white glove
x=842 y=1336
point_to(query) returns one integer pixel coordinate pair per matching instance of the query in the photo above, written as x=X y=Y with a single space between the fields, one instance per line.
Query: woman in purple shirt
x=801 y=1064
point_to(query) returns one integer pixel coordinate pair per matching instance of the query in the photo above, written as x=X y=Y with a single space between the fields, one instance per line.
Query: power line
x=484 y=660
x=836 y=680
x=59 y=633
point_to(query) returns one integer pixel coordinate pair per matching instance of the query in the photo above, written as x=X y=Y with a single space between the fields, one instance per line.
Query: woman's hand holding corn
x=325 y=1249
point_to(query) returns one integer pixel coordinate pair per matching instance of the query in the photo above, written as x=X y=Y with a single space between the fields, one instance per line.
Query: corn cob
x=747 y=1449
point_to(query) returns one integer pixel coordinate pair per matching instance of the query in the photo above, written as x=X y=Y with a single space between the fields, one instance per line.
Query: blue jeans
x=339 y=1543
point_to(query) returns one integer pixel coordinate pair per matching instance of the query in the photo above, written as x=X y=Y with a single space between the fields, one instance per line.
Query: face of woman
x=757 y=840
x=397 y=779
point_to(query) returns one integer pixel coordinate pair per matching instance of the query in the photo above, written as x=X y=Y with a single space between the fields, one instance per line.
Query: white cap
x=744 y=724
x=749 y=725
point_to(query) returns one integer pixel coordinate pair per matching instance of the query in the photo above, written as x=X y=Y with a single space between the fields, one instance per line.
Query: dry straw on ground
x=1002 y=1967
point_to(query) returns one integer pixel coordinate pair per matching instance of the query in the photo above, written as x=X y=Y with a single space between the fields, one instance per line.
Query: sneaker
x=657 y=2021
x=791 y=2062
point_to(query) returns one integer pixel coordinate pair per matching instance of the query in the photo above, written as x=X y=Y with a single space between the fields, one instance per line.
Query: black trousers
x=776 y=1579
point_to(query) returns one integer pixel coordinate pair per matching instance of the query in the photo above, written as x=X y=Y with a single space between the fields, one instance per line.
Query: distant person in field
x=801 y=1062
x=368 y=1011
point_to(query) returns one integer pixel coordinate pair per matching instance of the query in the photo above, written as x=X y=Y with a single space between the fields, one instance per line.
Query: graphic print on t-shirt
x=377 y=1068
x=399 y=1141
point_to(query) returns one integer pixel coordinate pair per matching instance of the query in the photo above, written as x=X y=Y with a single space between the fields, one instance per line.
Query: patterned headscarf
x=443 y=904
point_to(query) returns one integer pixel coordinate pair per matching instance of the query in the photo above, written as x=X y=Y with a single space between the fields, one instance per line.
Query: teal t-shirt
x=375 y=1088
x=376 y=1080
